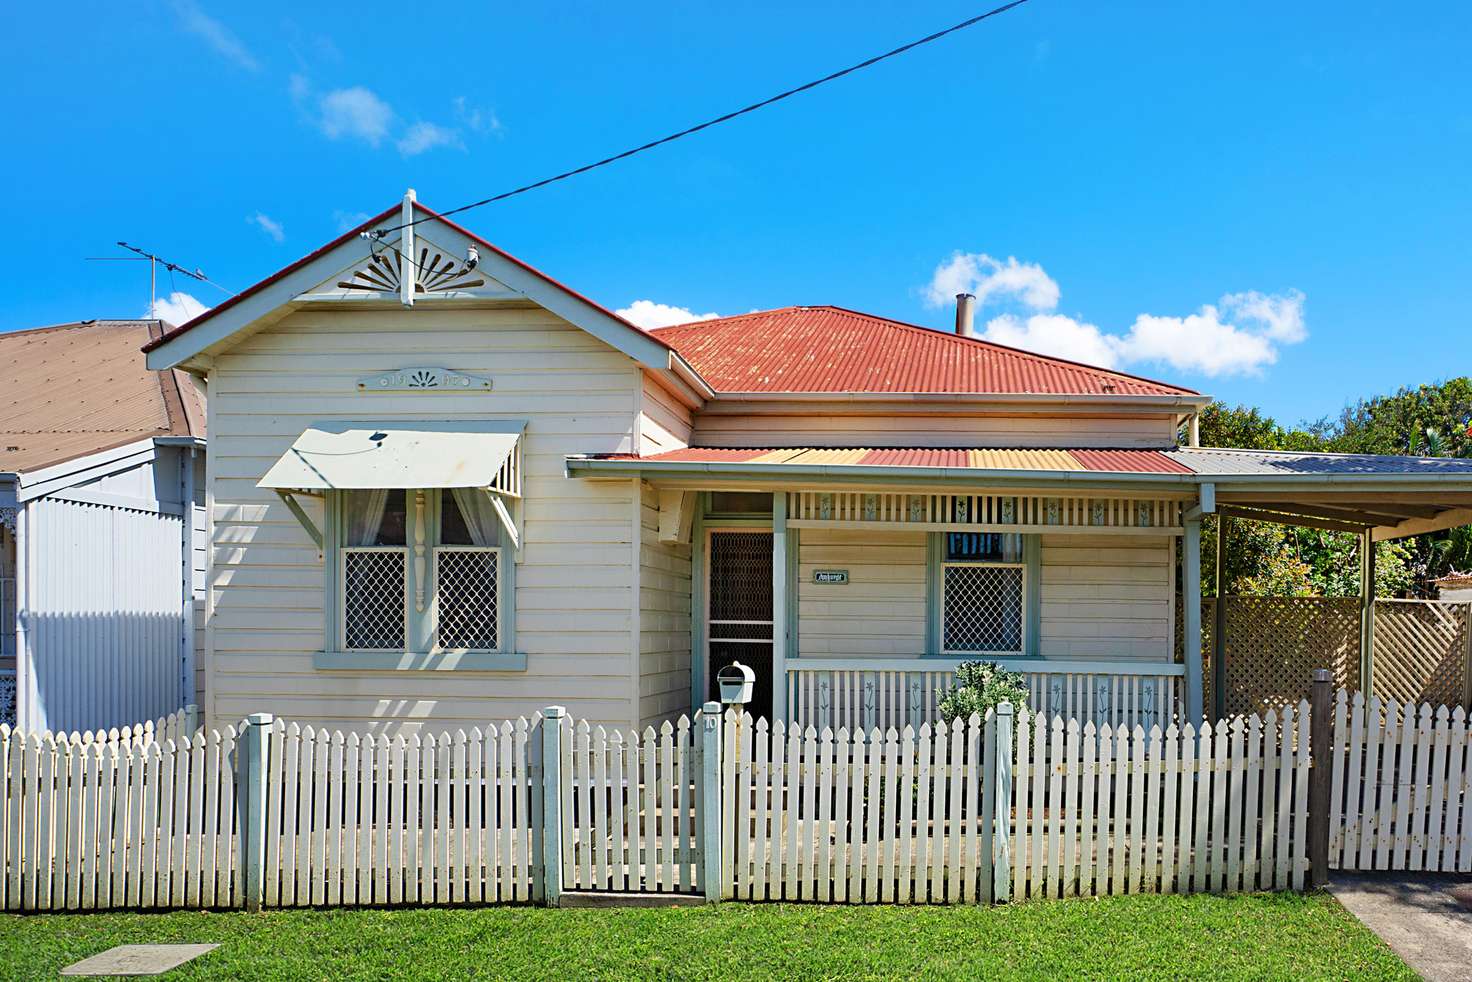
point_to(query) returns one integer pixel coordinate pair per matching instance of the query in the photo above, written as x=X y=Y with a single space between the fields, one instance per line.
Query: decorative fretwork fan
x=437 y=274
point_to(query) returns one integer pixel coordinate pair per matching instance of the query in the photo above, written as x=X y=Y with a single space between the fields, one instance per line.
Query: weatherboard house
x=102 y=528
x=443 y=487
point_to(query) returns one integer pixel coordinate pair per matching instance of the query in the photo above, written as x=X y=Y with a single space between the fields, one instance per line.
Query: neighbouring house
x=102 y=528
x=445 y=488
x=1454 y=588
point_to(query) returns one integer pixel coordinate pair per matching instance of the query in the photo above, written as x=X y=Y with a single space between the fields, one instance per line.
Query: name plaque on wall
x=830 y=576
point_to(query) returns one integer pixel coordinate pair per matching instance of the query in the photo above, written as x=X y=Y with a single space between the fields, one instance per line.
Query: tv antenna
x=154 y=262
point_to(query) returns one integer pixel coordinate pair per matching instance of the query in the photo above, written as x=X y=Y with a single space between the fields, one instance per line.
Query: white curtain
x=363 y=511
x=480 y=515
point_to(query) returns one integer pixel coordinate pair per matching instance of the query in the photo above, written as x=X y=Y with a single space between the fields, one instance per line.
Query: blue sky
x=1265 y=201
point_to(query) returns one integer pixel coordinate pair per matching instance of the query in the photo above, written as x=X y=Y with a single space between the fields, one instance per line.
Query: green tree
x=1433 y=420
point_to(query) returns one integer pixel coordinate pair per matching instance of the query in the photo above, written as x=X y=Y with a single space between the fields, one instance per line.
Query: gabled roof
x=831 y=349
x=219 y=323
x=76 y=389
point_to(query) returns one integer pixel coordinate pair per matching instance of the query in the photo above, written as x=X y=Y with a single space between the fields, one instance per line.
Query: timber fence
x=549 y=810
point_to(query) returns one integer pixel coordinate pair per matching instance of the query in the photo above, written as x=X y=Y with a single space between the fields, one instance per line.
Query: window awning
x=342 y=455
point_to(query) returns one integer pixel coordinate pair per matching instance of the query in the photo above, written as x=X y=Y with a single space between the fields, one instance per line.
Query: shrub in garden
x=979 y=686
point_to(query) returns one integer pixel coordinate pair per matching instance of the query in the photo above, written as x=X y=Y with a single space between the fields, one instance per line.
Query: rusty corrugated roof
x=830 y=349
x=74 y=389
x=1009 y=459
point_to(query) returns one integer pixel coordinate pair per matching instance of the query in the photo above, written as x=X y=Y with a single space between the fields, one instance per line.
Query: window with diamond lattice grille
x=374 y=585
x=983 y=608
x=466 y=592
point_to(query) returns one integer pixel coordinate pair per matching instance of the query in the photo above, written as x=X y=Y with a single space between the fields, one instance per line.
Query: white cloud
x=355 y=112
x=1054 y=334
x=1239 y=335
x=648 y=314
x=426 y=136
x=988 y=278
x=177 y=308
x=215 y=34
x=474 y=118
x=1281 y=316
x=268 y=225
x=349 y=219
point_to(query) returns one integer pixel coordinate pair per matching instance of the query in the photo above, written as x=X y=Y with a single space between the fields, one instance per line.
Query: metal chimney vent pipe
x=965 y=313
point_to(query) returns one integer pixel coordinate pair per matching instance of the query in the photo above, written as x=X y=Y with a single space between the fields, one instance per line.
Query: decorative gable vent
x=436 y=273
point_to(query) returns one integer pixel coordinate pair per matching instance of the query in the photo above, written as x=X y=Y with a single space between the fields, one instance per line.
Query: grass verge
x=1257 y=936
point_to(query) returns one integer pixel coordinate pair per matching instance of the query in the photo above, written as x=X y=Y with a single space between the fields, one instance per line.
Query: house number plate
x=830 y=576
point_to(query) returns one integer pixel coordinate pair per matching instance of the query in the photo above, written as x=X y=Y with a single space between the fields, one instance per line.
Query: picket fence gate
x=270 y=813
x=630 y=808
x=1401 y=797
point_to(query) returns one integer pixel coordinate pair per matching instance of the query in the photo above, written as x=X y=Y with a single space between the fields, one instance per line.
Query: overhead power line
x=753 y=107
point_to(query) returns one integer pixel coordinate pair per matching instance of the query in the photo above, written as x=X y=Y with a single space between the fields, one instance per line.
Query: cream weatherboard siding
x=1106 y=597
x=574 y=582
x=664 y=422
x=1102 y=597
x=840 y=424
x=664 y=619
x=879 y=612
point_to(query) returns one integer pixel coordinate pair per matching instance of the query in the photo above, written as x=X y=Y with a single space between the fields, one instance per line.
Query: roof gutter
x=588 y=466
x=686 y=373
x=1064 y=399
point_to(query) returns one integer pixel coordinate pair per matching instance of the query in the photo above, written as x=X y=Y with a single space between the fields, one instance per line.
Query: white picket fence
x=118 y=819
x=1128 y=811
x=630 y=809
x=270 y=813
x=887 y=817
x=1401 y=796
x=434 y=819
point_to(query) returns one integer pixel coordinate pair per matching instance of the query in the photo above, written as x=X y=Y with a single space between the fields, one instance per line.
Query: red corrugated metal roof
x=1043 y=461
x=830 y=349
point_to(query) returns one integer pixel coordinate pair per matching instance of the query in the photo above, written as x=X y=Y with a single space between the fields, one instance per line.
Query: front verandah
x=856 y=606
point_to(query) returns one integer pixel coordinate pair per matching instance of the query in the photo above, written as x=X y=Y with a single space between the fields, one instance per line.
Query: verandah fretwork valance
x=986 y=512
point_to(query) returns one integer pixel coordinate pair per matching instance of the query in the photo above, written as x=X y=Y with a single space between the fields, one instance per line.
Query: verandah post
x=1321 y=751
x=710 y=801
x=552 y=804
x=1002 y=750
x=1191 y=613
x=250 y=777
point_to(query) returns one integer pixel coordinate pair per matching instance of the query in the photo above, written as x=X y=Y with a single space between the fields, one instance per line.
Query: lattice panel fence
x=1421 y=651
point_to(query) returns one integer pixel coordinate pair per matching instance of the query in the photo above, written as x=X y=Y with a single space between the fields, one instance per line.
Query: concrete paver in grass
x=138 y=959
x=1426 y=918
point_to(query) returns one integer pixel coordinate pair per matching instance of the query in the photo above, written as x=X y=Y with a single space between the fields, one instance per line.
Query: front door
x=738 y=610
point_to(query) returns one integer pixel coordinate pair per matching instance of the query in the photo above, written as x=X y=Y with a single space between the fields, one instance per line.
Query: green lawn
x=1272 y=936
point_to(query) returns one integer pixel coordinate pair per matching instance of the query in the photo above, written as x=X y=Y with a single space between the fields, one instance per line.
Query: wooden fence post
x=253 y=746
x=1321 y=748
x=710 y=801
x=191 y=720
x=1003 y=751
x=552 y=803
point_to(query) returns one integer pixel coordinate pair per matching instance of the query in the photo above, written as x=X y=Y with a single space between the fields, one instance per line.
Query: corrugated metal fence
x=105 y=631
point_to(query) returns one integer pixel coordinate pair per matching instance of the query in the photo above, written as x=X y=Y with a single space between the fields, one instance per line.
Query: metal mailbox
x=735 y=681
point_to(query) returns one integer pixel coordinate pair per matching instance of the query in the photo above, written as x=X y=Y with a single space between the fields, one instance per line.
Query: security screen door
x=738 y=624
